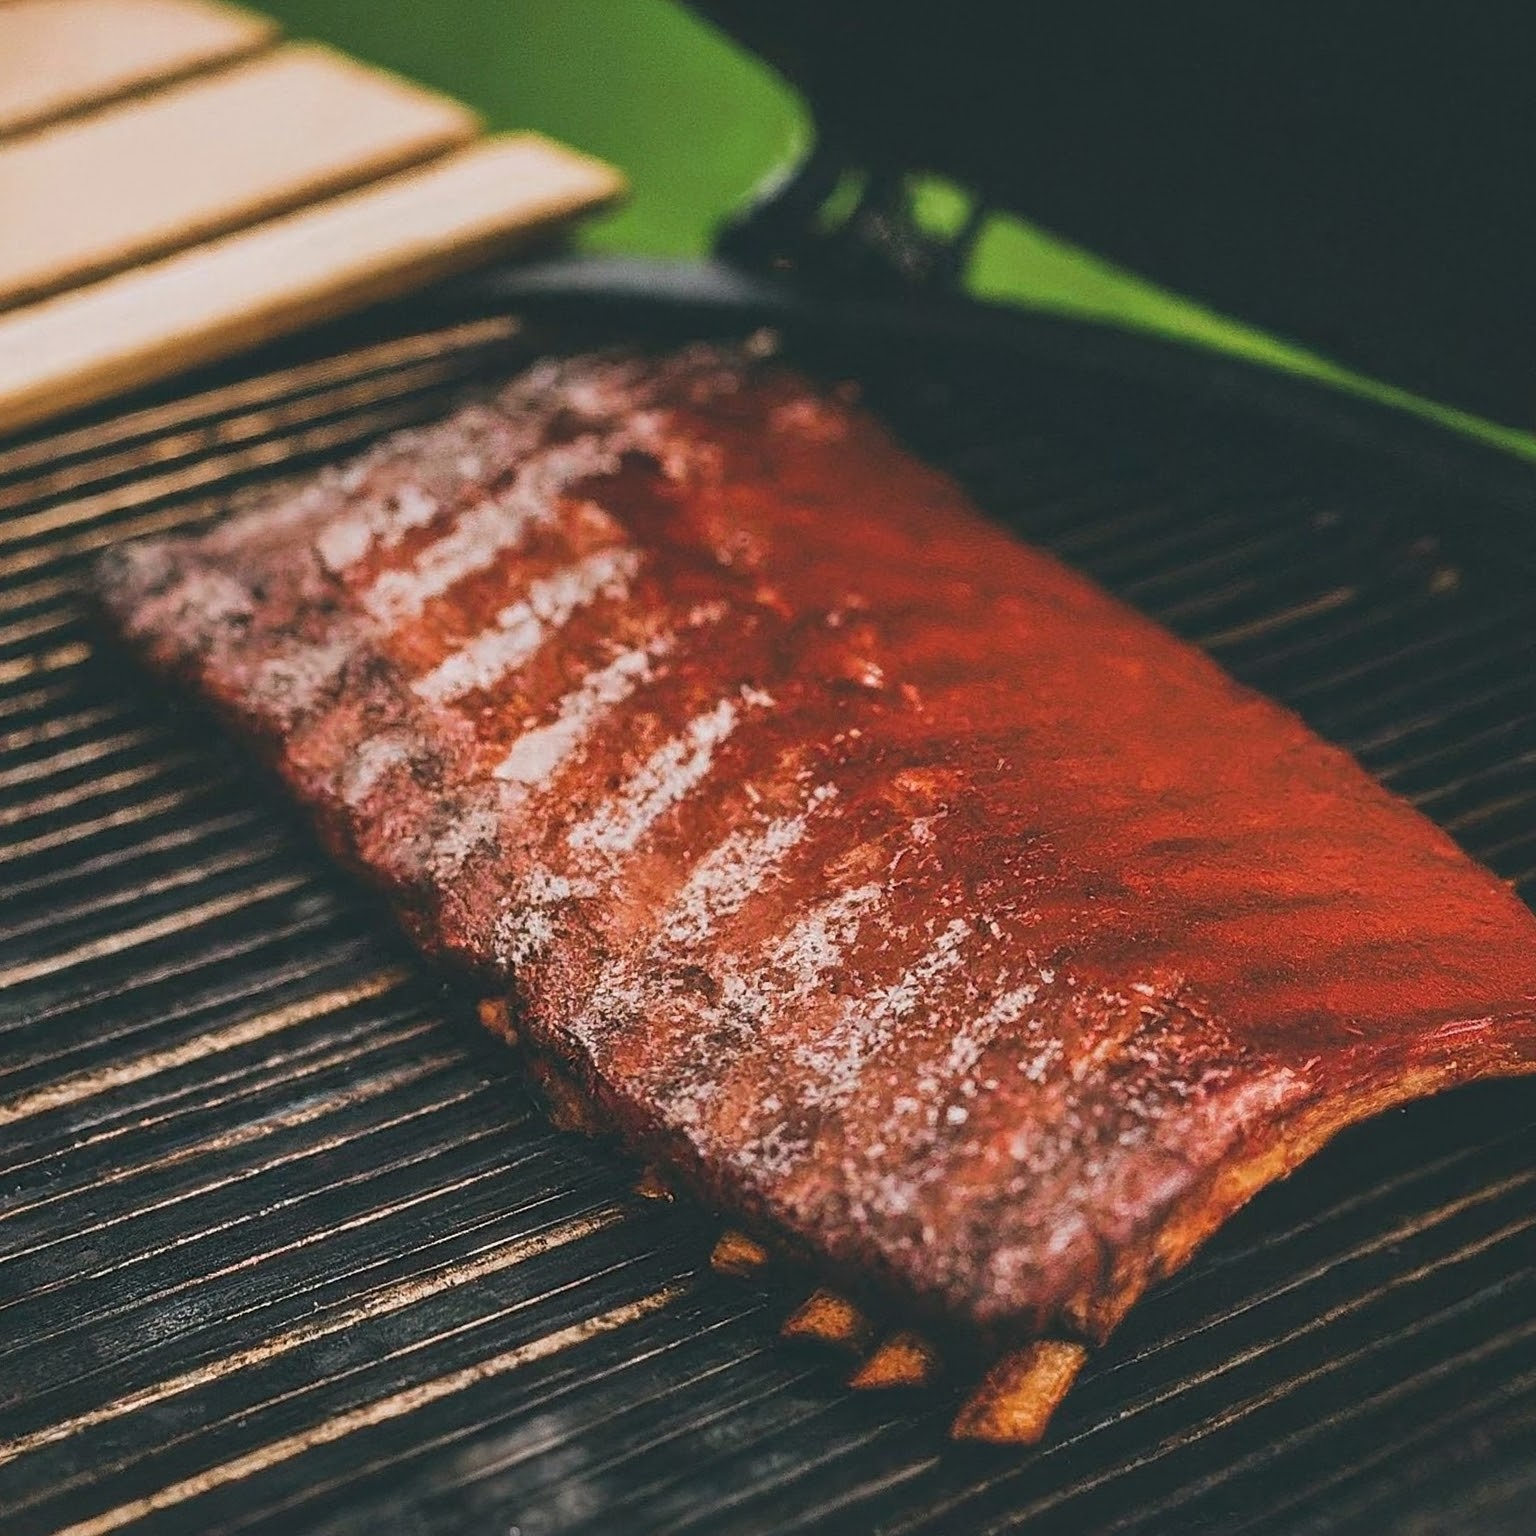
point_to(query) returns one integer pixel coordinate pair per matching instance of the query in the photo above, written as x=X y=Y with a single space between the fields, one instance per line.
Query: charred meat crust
x=895 y=888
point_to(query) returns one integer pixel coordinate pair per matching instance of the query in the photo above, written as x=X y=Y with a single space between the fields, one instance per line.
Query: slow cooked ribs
x=948 y=926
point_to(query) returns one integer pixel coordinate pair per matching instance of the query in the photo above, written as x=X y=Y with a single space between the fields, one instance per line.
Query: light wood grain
x=70 y=460
x=250 y=287
x=57 y=56
x=155 y=175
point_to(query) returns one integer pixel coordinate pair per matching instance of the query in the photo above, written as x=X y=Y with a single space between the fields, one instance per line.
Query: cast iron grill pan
x=282 y=1245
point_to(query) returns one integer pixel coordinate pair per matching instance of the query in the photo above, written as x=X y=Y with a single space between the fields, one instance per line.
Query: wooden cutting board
x=57 y=58
x=175 y=185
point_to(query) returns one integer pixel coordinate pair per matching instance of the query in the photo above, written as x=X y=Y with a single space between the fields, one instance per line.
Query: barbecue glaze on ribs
x=937 y=917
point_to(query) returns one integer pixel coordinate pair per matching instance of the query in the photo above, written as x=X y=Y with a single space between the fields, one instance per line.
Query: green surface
x=695 y=124
x=692 y=120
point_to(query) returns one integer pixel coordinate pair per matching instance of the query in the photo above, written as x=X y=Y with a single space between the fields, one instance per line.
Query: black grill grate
x=281 y=1246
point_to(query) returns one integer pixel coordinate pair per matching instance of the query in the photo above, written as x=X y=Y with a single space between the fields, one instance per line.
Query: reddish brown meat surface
x=902 y=891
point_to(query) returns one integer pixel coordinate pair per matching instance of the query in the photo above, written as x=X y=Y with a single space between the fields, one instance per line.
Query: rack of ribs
x=958 y=934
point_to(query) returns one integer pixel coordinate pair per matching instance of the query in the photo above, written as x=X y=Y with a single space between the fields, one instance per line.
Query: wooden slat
x=154 y=175
x=265 y=282
x=57 y=56
x=466 y=339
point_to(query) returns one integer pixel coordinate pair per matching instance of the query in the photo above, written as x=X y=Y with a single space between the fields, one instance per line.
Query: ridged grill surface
x=282 y=1246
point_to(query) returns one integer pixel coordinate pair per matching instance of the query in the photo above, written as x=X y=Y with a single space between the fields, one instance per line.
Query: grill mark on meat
x=948 y=1080
x=345 y=541
x=970 y=1040
x=496 y=525
x=748 y=989
x=836 y=1062
x=721 y=884
x=832 y=1071
x=817 y=944
x=724 y=879
x=784 y=973
x=407 y=482
x=477 y=538
x=522 y=627
x=667 y=776
x=529 y=919
x=532 y=760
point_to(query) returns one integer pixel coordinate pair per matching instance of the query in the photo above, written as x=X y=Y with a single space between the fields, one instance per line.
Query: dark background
x=1340 y=188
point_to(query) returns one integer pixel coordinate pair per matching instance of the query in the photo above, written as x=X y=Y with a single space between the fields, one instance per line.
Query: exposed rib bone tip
x=905 y=1359
x=1015 y=1401
x=828 y=1318
x=567 y=1105
x=737 y=1254
x=652 y=1185
x=496 y=1015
